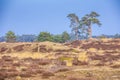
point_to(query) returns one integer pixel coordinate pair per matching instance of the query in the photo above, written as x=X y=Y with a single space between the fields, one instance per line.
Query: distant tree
x=102 y=36
x=61 y=38
x=90 y=19
x=10 y=36
x=75 y=24
x=26 y=38
x=45 y=36
x=65 y=36
x=2 y=39
x=117 y=35
x=57 y=38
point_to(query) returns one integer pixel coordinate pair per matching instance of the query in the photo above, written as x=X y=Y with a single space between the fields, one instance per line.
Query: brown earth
x=77 y=60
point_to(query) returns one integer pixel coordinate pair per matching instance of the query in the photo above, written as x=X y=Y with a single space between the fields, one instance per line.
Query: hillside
x=77 y=60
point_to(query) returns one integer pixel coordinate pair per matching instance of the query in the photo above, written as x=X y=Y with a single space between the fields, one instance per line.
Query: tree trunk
x=89 y=32
x=76 y=34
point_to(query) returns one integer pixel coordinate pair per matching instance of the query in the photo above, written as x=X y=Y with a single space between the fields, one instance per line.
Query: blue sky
x=34 y=16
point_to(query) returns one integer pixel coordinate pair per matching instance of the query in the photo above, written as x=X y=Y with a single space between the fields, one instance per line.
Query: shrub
x=10 y=36
x=47 y=74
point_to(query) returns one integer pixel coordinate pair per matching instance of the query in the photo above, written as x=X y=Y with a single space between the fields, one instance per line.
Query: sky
x=35 y=16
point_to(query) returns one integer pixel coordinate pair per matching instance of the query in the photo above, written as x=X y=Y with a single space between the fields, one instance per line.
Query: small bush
x=47 y=74
x=62 y=70
x=115 y=66
x=44 y=62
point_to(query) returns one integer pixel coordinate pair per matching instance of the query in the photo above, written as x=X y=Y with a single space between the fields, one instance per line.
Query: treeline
x=10 y=36
x=46 y=36
x=81 y=28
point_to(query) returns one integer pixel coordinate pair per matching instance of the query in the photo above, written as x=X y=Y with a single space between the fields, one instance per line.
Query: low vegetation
x=88 y=60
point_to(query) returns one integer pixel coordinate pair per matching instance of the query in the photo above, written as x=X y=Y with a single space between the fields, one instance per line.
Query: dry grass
x=27 y=55
x=68 y=62
x=92 y=50
x=83 y=57
x=100 y=52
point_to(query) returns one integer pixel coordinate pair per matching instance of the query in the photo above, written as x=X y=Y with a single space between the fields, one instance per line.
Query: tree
x=103 y=36
x=10 y=36
x=2 y=38
x=65 y=36
x=44 y=36
x=90 y=19
x=117 y=35
x=57 y=38
x=75 y=24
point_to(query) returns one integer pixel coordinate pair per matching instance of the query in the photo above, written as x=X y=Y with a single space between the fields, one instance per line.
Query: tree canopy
x=90 y=19
x=10 y=36
x=75 y=24
x=44 y=36
x=82 y=27
x=65 y=36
